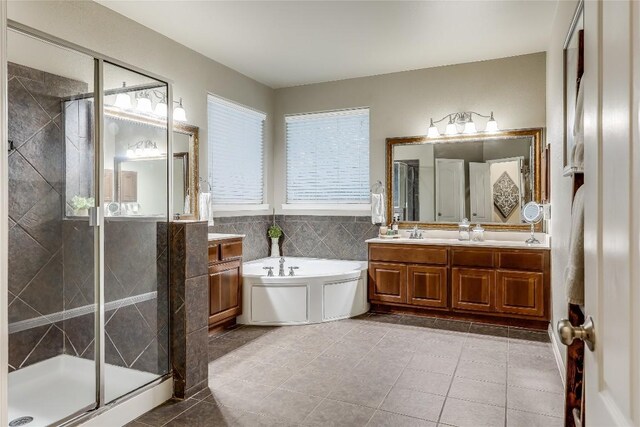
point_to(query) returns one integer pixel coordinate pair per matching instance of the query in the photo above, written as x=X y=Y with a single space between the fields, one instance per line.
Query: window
x=236 y=146
x=328 y=157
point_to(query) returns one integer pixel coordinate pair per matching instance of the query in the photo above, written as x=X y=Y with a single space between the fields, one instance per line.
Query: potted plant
x=81 y=205
x=275 y=232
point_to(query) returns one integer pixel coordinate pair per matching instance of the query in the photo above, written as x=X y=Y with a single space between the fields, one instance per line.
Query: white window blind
x=328 y=157
x=236 y=145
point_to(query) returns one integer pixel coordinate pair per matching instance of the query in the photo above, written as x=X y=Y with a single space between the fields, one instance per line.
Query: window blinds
x=236 y=145
x=328 y=157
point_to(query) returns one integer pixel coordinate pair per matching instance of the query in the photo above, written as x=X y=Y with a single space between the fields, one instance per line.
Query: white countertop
x=495 y=239
x=223 y=236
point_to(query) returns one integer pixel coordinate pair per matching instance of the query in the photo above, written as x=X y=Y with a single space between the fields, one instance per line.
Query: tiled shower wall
x=334 y=237
x=51 y=281
x=36 y=191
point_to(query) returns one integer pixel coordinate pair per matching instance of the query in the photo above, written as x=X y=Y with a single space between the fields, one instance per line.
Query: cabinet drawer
x=473 y=289
x=520 y=292
x=472 y=257
x=230 y=250
x=408 y=254
x=520 y=260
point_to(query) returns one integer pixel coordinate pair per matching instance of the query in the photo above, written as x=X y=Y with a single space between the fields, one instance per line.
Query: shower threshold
x=55 y=388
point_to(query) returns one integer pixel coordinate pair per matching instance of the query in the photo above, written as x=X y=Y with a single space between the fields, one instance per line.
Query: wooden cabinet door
x=520 y=292
x=225 y=291
x=388 y=282
x=473 y=289
x=128 y=186
x=427 y=286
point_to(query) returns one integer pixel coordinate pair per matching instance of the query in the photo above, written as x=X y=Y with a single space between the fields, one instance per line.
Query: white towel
x=377 y=208
x=187 y=205
x=574 y=272
x=577 y=154
x=205 y=207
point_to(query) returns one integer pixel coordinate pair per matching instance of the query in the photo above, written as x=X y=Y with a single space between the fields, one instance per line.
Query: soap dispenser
x=394 y=225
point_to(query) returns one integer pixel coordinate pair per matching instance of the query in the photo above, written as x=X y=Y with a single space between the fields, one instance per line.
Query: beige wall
x=100 y=29
x=561 y=187
x=401 y=103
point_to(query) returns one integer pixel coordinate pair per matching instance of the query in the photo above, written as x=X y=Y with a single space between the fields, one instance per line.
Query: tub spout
x=281 y=269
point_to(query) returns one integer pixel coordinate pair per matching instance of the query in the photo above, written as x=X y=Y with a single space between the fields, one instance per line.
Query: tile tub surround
x=331 y=237
x=375 y=370
x=189 y=287
x=36 y=196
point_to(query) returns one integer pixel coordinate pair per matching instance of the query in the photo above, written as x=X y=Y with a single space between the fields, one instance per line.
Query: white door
x=480 y=192
x=449 y=190
x=612 y=211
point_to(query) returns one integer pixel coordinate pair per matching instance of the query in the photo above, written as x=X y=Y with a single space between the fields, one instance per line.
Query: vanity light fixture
x=461 y=123
x=123 y=99
x=161 y=109
x=144 y=103
x=179 y=114
x=143 y=148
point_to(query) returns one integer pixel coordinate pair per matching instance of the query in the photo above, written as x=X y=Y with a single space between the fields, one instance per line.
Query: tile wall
x=334 y=237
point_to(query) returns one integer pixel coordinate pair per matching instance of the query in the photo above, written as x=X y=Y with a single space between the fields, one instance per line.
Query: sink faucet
x=281 y=269
x=415 y=234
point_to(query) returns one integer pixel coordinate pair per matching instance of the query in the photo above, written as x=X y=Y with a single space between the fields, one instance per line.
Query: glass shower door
x=136 y=143
x=51 y=242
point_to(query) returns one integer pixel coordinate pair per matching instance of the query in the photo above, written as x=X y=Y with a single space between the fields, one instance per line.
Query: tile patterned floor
x=376 y=370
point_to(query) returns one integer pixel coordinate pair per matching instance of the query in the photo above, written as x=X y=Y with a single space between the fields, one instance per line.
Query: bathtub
x=322 y=290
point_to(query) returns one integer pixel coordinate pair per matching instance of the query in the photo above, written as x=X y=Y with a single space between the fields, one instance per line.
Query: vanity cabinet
x=225 y=281
x=498 y=285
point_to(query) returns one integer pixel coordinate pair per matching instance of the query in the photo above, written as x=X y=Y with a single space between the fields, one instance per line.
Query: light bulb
x=123 y=100
x=492 y=125
x=451 y=129
x=433 y=131
x=144 y=105
x=179 y=114
x=130 y=153
x=161 y=109
x=469 y=127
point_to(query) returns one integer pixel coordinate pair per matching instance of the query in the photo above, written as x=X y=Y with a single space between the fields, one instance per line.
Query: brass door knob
x=568 y=333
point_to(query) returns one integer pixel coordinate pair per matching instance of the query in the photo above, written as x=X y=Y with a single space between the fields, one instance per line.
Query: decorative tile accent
x=505 y=194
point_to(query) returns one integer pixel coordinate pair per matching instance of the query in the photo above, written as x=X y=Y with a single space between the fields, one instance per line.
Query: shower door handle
x=93 y=217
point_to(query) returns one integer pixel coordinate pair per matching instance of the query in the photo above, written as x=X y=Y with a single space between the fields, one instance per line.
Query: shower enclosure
x=88 y=264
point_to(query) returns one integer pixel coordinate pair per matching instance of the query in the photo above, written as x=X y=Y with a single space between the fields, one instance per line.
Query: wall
x=561 y=187
x=401 y=104
x=93 y=26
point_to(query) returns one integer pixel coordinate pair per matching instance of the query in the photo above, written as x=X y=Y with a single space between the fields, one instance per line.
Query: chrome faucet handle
x=291 y=273
x=270 y=272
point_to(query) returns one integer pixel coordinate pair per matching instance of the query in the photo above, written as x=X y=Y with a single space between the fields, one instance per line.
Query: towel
x=205 y=207
x=574 y=272
x=377 y=208
x=187 y=205
x=577 y=154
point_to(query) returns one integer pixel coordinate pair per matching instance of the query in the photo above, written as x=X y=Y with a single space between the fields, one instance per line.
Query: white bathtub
x=322 y=290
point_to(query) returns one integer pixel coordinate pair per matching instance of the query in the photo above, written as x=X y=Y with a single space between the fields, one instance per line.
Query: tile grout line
x=453 y=376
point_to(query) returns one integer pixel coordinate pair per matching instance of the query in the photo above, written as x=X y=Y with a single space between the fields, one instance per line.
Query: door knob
x=568 y=333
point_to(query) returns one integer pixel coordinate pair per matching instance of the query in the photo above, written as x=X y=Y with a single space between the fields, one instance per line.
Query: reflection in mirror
x=487 y=179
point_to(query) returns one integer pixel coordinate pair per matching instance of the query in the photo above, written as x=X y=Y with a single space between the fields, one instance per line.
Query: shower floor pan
x=55 y=388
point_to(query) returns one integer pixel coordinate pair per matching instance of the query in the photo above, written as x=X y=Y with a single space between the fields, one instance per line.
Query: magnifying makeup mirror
x=532 y=213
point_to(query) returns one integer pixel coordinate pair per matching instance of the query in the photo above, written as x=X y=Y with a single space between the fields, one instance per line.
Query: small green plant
x=275 y=232
x=79 y=203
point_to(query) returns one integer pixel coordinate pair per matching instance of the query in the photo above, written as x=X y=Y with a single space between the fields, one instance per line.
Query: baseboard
x=558 y=355
x=129 y=410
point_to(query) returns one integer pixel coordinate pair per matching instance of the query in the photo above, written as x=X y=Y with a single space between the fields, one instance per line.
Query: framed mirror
x=486 y=178
x=137 y=168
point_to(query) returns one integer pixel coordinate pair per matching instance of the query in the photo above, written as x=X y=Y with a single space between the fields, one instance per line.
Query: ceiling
x=290 y=43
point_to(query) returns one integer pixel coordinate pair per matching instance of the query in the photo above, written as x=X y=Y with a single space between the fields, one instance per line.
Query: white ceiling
x=289 y=43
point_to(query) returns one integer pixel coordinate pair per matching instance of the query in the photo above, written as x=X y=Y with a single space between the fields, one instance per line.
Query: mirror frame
x=535 y=133
x=194 y=149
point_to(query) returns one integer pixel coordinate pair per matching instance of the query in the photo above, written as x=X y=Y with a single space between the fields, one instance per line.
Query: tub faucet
x=281 y=269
